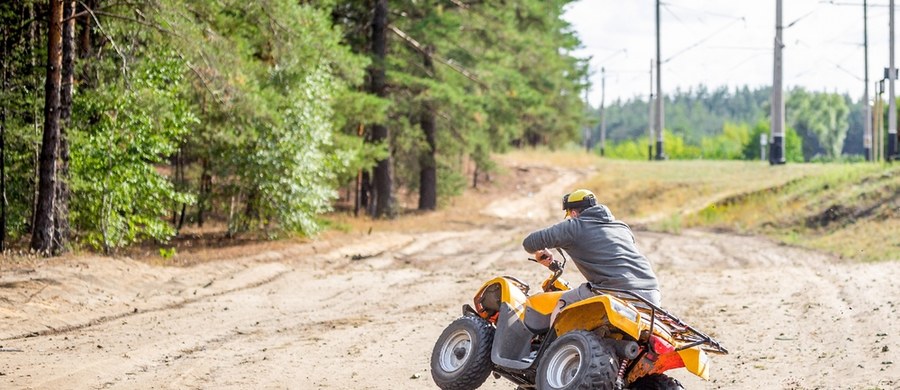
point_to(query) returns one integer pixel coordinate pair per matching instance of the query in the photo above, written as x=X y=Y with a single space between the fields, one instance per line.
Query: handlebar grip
x=554 y=266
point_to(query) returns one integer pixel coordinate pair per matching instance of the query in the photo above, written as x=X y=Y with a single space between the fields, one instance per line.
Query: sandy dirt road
x=363 y=311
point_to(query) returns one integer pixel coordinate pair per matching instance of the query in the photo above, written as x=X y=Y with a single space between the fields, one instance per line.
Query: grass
x=850 y=210
x=649 y=192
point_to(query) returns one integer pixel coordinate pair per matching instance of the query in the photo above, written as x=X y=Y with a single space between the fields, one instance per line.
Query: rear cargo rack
x=686 y=335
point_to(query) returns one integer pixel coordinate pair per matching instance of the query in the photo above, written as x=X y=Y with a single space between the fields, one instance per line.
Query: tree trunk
x=33 y=38
x=3 y=146
x=180 y=185
x=63 y=193
x=85 y=48
x=205 y=191
x=85 y=43
x=427 y=163
x=42 y=236
x=382 y=175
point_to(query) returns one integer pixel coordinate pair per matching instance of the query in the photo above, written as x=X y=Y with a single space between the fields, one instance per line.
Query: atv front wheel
x=656 y=382
x=578 y=360
x=461 y=359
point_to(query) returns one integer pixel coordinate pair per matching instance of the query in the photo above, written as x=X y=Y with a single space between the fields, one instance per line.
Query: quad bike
x=612 y=341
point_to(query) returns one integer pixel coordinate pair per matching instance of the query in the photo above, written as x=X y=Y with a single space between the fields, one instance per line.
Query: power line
x=716 y=14
x=851 y=4
x=704 y=39
x=666 y=7
x=847 y=71
x=791 y=24
x=751 y=48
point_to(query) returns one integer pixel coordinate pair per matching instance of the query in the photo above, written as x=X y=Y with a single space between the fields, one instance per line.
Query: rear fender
x=594 y=312
x=695 y=361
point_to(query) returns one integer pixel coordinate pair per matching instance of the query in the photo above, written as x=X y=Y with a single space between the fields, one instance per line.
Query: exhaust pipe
x=626 y=349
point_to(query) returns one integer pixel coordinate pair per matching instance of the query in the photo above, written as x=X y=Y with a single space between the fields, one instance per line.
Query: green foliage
x=729 y=145
x=22 y=102
x=257 y=109
x=828 y=124
x=695 y=113
x=793 y=144
x=120 y=135
x=736 y=142
x=484 y=86
x=677 y=149
x=167 y=253
x=289 y=167
x=821 y=118
x=629 y=150
x=274 y=84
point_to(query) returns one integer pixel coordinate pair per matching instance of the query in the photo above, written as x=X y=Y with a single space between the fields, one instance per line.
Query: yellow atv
x=615 y=340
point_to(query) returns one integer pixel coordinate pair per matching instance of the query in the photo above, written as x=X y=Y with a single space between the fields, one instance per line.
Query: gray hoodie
x=602 y=248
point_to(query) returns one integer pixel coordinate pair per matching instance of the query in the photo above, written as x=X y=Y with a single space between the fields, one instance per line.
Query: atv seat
x=538 y=310
x=536 y=322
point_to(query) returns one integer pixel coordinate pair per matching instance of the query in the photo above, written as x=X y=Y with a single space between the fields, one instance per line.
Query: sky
x=729 y=43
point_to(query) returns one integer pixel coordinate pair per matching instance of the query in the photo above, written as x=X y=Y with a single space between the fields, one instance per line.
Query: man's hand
x=544 y=257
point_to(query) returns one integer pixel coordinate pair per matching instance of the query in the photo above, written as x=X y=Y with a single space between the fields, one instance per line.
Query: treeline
x=727 y=123
x=127 y=121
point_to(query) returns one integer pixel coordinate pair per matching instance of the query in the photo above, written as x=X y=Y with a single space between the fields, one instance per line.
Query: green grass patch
x=851 y=210
x=848 y=210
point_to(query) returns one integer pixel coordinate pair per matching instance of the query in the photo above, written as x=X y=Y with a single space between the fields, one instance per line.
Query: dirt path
x=365 y=313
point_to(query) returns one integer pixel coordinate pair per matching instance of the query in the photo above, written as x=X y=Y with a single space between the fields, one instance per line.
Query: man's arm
x=560 y=235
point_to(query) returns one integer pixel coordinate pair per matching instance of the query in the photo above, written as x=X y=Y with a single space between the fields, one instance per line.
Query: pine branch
x=418 y=46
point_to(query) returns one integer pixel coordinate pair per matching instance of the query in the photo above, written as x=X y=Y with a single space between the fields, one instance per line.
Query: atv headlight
x=624 y=311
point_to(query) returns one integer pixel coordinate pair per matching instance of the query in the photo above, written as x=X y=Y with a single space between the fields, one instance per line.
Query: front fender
x=496 y=291
x=591 y=313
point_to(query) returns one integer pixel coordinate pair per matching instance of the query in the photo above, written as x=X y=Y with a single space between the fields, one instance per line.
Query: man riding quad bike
x=613 y=340
x=608 y=333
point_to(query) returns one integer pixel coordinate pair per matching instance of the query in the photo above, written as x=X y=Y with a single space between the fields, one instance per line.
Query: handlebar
x=556 y=267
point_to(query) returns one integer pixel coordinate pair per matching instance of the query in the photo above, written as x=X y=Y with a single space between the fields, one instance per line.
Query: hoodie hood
x=598 y=213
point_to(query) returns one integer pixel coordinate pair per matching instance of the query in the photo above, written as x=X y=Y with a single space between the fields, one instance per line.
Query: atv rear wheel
x=461 y=359
x=656 y=382
x=578 y=360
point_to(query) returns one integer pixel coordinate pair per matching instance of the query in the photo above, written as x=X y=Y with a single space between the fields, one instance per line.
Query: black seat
x=536 y=322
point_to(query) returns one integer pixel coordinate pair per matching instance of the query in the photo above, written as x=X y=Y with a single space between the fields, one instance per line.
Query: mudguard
x=591 y=313
x=489 y=298
x=695 y=361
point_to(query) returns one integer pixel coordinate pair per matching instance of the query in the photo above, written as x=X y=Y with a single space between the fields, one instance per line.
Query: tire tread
x=479 y=367
x=656 y=382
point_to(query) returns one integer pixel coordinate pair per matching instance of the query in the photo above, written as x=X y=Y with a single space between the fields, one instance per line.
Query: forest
x=726 y=124
x=126 y=121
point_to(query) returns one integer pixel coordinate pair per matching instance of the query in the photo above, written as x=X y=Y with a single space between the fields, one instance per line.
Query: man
x=603 y=249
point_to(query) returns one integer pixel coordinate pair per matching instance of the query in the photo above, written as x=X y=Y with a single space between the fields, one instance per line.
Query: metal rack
x=686 y=335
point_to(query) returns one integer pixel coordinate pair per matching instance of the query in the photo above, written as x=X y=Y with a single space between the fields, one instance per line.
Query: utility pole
x=878 y=127
x=892 y=102
x=660 y=114
x=650 y=117
x=587 y=127
x=867 y=111
x=602 y=111
x=776 y=152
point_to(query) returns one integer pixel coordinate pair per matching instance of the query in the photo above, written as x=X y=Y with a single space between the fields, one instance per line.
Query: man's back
x=602 y=247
